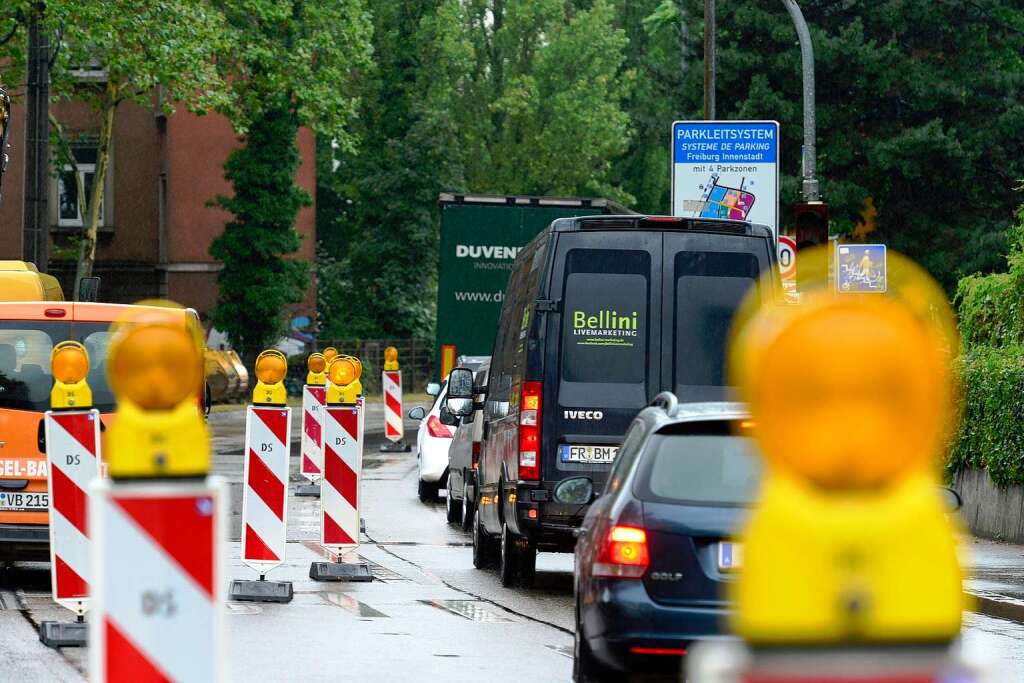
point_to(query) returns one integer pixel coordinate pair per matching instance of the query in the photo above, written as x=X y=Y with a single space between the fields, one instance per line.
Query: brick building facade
x=157 y=221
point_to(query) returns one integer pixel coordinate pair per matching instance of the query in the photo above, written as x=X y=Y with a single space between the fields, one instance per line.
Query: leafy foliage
x=256 y=283
x=990 y=306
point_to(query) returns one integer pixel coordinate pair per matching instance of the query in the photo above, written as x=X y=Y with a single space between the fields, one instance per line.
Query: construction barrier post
x=265 y=490
x=391 y=384
x=339 y=493
x=314 y=394
x=72 y=437
x=157 y=525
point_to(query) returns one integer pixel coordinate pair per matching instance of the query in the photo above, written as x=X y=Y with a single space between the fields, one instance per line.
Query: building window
x=70 y=211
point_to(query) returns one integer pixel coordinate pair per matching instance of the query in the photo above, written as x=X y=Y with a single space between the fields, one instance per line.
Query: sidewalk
x=996 y=580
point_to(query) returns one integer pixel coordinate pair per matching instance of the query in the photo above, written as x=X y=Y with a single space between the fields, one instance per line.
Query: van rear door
x=706 y=277
x=602 y=355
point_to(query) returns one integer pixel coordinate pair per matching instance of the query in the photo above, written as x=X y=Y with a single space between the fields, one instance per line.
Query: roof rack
x=666 y=400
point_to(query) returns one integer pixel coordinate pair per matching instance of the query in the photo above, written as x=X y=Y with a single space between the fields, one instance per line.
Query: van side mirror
x=952 y=499
x=89 y=289
x=459 y=399
x=417 y=413
x=433 y=389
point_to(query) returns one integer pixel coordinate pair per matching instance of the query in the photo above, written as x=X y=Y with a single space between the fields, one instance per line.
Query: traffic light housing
x=811 y=221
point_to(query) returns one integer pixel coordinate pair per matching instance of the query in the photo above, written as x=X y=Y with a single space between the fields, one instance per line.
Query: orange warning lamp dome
x=390 y=354
x=342 y=371
x=316 y=362
x=157 y=366
x=69 y=362
x=854 y=415
x=271 y=366
x=329 y=354
x=358 y=364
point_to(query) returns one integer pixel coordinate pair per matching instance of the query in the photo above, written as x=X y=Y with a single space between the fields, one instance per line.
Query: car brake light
x=624 y=554
x=476 y=455
x=436 y=429
x=672 y=651
x=529 y=431
x=54 y=312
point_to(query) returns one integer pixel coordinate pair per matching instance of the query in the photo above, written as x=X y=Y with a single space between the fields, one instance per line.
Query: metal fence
x=415 y=357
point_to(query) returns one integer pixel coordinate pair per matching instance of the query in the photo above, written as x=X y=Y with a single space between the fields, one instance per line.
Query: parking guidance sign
x=726 y=169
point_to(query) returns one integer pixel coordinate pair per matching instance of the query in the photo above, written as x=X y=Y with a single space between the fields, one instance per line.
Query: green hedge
x=991 y=432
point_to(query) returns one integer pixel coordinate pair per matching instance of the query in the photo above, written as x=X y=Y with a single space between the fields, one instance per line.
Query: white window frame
x=79 y=220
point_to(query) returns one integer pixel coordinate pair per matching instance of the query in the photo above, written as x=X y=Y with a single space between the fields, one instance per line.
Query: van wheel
x=468 y=508
x=483 y=546
x=509 y=561
x=453 y=508
x=427 y=491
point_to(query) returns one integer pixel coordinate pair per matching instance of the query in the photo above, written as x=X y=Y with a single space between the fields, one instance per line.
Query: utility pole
x=37 y=138
x=710 y=56
x=808 y=157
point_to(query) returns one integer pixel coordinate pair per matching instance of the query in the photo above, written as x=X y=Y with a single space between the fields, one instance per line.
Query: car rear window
x=605 y=328
x=704 y=467
x=709 y=289
x=25 y=346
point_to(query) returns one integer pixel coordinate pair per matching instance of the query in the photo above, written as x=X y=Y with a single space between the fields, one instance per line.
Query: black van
x=601 y=314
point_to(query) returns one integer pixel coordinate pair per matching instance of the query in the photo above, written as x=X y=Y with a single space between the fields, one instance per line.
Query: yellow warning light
x=329 y=354
x=391 y=358
x=850 y=540
x=155 y=365
x=342 y=371
x=69 y=363
x=358 y=364
x=271 y=368
x=316 y=364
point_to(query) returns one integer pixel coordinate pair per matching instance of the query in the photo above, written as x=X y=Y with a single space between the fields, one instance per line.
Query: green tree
x=129 y=49
x=291 y=64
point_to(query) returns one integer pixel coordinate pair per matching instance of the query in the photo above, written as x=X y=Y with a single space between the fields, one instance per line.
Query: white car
x=463 y=456
x=432 y=441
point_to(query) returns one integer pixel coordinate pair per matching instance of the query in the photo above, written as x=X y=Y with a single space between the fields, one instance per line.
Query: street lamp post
x=710 y=49
x=809 y=187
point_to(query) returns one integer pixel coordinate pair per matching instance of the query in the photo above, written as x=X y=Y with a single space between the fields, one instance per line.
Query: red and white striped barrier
x=394 y=429
x=157 y=594
x=72 y=455
x=265 y=494
x=339 y=490
x=313 y=399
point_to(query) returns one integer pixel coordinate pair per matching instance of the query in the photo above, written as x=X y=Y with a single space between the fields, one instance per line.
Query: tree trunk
x=87 y=247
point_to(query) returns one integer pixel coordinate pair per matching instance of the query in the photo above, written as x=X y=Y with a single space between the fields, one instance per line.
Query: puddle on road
x=474 y=610
x=353 y=606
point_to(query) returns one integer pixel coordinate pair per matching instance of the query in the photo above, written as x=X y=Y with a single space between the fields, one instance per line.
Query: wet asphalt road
x=428 y=612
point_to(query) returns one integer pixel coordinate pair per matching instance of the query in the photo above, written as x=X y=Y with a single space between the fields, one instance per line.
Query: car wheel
x=508 y=562
x=468 y=508
x=453 y=508
x=482 y=555
x=427 y=491
x=585 y=669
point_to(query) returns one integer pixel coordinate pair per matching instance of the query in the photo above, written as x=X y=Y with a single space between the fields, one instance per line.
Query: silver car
x=463 y=455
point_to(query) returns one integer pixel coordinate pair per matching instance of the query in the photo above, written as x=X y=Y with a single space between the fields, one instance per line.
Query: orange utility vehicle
x=28 y=332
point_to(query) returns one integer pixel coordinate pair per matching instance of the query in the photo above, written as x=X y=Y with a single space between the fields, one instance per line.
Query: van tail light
x=476 y=455
x=624 y=554
x=529 y=432
x=436 y=429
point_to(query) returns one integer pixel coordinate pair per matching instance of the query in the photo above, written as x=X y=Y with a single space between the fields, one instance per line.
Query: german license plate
x=730 y=556
x=588 y=454
x=20 y=500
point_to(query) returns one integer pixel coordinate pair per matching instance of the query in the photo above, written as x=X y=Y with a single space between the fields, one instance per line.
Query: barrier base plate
x=261 y=591
x=308 y=490
x=340 y=571
x=396 y=447
x=57 y=634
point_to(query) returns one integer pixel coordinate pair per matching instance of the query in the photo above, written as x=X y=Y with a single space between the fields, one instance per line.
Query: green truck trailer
x=480 y=237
